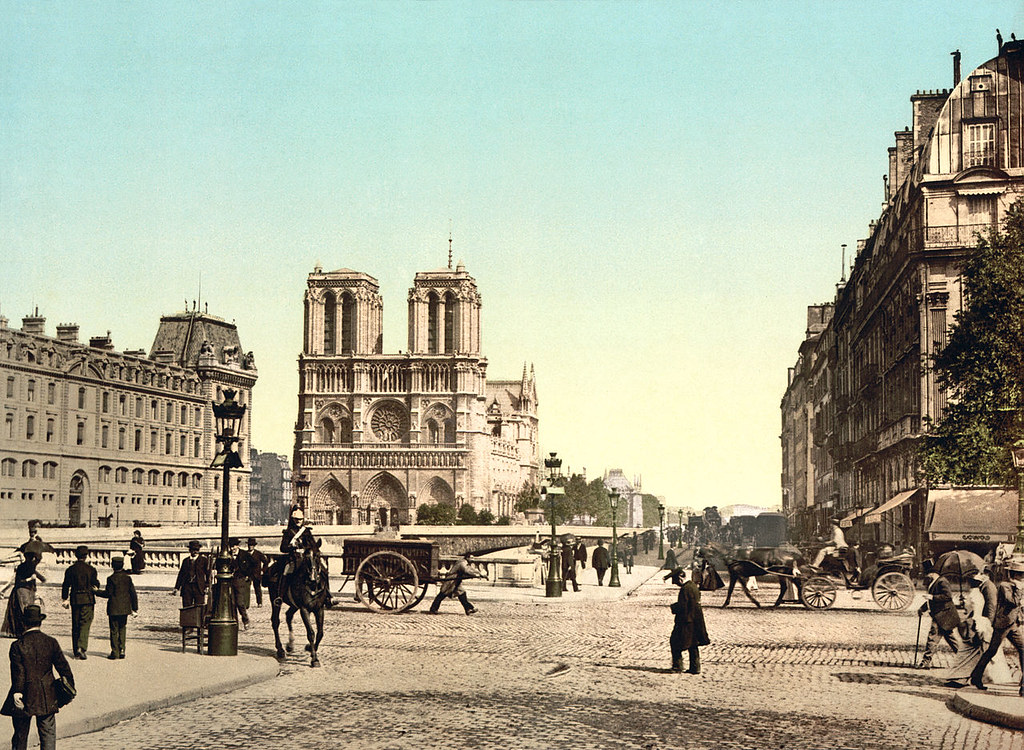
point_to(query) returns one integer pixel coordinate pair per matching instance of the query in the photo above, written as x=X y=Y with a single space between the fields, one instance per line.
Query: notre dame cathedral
x=379 y=434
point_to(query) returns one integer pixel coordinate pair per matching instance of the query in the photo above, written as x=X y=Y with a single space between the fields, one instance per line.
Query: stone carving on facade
x=230 y=355
x=389 y=422
x=206 y=350
x=249 y=361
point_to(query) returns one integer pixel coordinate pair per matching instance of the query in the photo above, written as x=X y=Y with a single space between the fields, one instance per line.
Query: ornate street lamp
x=302 y=492
x=680 y=527
x=223 y=631
x=613 y=499
x=554 y=582
x=1017 y=451
x=661 y=535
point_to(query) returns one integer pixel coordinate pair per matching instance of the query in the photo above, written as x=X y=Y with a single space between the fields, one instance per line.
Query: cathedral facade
x=379 y=434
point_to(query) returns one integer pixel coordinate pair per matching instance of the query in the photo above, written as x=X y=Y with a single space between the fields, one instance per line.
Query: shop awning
x=895 y=501
x=972 y=515
x=847 y=521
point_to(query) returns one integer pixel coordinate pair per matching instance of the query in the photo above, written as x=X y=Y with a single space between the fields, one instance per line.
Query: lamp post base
x=222 y=635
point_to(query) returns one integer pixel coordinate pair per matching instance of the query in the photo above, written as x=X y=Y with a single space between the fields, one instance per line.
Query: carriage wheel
x=893 y=591
x=818 y=592
x=387 y=582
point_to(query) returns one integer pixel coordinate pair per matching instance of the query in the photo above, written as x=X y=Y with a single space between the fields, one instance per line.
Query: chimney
x=904 y=160
x=927 y=105
x=34 y=324
x=956 y=67
x=67 y=333
x=102 y=342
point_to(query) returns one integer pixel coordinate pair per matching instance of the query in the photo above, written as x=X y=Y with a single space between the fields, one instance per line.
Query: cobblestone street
x=565 y=673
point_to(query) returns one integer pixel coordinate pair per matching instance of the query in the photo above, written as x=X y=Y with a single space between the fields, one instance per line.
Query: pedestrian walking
x=627 y=555
x=946 y=620
x=569 y=566
x=193 y=578
x=689 y=632
x=452 y=586
x=121 y=602
x=242 y=573
x=600 y=561
x=260 y=564
x=981 y=603
x=580 y=554
x=23 y=596
x=1007 y=623
x=137 y=550
x=34 y=657
x=33 y=544
x=78 y=591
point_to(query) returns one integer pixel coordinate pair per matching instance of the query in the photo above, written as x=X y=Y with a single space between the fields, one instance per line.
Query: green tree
x=980 y=366
x=484 y=518
x=441 y=514
x=527 y=499
x=467 y=516
x=650 y=506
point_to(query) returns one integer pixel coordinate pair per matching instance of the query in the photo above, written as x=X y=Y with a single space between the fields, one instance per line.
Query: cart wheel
x=420 y=595
x=387 y=582
x=893 y=591
x=818 y=592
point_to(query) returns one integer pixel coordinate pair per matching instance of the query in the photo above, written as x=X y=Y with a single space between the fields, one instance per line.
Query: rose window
x=388 y=422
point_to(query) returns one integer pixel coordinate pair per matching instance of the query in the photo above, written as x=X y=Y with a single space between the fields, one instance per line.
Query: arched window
x=330 y=315
x=449 y=323
x=433 y=330
x=28 y=469
x=348 y=323
x=326 y=430
x=345 y=431
x=433 y=432
x=449 y=430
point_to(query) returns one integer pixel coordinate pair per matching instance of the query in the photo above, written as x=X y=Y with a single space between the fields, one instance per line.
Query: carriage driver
x=837 y=545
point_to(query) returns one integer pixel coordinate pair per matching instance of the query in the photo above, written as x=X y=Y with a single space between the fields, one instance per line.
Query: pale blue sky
x=648 y=194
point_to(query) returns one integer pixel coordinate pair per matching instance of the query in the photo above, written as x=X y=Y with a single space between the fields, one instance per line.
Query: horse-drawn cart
x=888 y=580
x=391 y=575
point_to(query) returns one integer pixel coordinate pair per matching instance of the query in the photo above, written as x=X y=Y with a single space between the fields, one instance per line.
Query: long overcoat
x=34 y=656
x=689 y=630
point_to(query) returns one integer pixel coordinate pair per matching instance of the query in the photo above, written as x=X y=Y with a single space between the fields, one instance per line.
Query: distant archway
x=331 y=504
x=76 y=497
x=385 y=501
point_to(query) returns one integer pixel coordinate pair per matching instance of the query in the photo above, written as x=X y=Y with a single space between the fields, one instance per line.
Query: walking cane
x=917 y=640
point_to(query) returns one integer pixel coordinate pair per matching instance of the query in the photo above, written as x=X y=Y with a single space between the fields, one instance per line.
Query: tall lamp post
x=554 y=582
x=223 y=631
x=1018 y=463
x=661 y=530
x=613 y=499
x=680 y=527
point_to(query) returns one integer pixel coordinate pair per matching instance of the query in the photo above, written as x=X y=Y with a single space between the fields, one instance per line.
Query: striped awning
x=847 y=521
x=895 y=501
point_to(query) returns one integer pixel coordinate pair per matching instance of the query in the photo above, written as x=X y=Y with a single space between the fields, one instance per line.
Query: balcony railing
x=449 y=456
x=963 y=235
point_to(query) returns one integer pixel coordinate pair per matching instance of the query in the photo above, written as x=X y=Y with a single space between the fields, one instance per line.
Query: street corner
x=998 y=704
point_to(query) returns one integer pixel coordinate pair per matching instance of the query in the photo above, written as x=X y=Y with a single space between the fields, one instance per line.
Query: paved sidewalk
x=999 y=704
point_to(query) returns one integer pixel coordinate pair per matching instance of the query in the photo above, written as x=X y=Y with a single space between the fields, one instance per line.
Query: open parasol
x=959 y=564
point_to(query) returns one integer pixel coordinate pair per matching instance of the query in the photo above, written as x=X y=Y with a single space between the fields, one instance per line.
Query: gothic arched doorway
x=331 y=504
x=385 y=501
x=76 y=498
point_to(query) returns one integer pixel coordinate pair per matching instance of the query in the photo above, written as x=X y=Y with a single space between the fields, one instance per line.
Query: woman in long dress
x=24 y=594
x=979 y=602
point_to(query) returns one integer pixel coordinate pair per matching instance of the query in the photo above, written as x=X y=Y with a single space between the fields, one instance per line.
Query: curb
x=104 y=720
x=1010 y=719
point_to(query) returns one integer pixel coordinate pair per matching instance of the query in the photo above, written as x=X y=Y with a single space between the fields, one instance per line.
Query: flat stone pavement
x=585 y=670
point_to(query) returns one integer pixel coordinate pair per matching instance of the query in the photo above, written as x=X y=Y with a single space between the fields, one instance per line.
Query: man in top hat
x=1008 y=623
x=34 y=656
x=260 y=563
x=193 y=578
x=121 y=602
x=78 y=592
x=689 y=632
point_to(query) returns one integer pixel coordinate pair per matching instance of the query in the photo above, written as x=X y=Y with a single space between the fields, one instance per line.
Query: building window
x=182 y=444
x=105 y=436
x=152 y=441
x=49 y=470
x=30 y=427
x=80 y=435
x=137 y=476
x=199 y=417
x=168 y=479
x=81 y=398
x=169 y=412
x=10 y=387
x=154 y=410
x=979 y=144
x=138 y=408
x=195 y=447
x=51 y=393
x=330 y=311
x=7 y=467
x=49 y=430
x=138 y=440
x=104 y=473
x=167 y=444
x=120 y=438
x=31 y=390
x=28 y=470
x=9 y=425
x=184 y=415
x=121 y=475
x=106 y=402
x=154 y=477
x=122 y=405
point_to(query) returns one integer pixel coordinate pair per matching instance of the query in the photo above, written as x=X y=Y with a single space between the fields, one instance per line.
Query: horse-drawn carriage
x=888 y=578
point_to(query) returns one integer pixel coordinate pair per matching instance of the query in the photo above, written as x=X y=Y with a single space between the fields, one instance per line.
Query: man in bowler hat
x=193 y=578
x=34 y=656
x=689 y=632
x=121 y=602
x=78 y=592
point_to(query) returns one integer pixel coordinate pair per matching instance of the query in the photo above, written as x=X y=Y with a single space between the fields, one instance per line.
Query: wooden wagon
x=391 y=575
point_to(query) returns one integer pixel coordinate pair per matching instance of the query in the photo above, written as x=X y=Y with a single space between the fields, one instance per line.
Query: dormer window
x=979 y=144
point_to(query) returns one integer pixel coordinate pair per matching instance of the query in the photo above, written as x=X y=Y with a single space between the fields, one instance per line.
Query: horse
x=306 y=591
x=744 y=563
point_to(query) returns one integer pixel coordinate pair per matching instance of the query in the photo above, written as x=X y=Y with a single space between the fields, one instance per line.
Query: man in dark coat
x=689 y=631
x=78 y=592
x=260 y=564
x=1008 y=623
x=569 y=566
x=946 y=618
x=121 y=602
x=452 y=585
x=193 y=578
x=137 y=548
x=242 y=575
x=34 y=656
x=600 y=561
